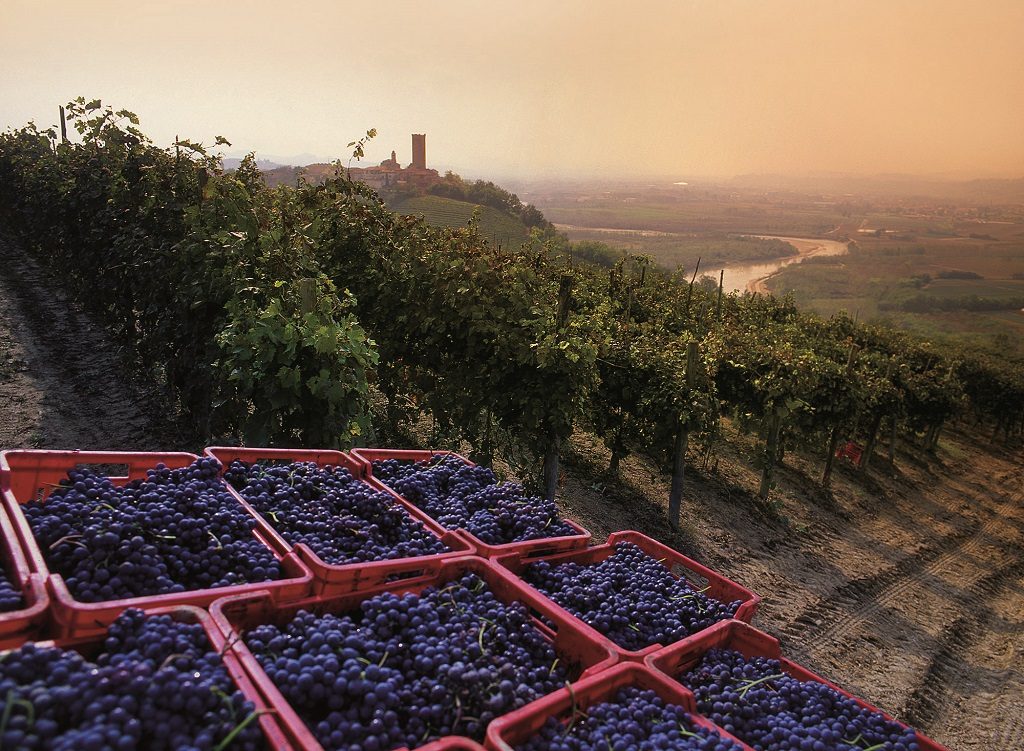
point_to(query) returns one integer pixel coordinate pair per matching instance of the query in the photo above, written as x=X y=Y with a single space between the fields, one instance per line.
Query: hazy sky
x=548 y=87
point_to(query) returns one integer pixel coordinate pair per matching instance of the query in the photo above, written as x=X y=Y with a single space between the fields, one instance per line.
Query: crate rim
x=747 y=609
x=536 y=546
x=771 y=648
x=323 y=571
x=71 y=614
x=272 y=732
x=448 y=570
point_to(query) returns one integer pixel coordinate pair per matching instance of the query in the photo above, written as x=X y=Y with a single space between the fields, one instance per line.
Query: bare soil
x=63 y=384
x=904 y=585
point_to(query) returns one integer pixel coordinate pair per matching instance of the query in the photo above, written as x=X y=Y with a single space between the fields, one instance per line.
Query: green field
x=877 y=278
x=496 y=226
x=695 y=216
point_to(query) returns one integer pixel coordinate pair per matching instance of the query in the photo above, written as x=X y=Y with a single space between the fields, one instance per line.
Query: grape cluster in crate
x=372 y=601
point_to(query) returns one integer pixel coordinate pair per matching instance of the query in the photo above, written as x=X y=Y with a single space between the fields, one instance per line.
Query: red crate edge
x=751 y=642
x=326 y=574
x=34 y=616
x=529 y=548
x=235 y=614
x=72 y=617
x=511 y=730
x=268 y=723
x=720 y=587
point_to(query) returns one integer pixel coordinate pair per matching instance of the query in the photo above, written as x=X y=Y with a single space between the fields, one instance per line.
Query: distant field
x=693 y=216
x=881 y=274
x=682 y=250
x=446 y=212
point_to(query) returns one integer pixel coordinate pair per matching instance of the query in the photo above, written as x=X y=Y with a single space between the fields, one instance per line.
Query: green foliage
x=256 y=307
x=487 y=193
x=197 y=272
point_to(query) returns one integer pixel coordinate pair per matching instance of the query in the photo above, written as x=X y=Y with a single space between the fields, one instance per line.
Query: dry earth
x=905 y=586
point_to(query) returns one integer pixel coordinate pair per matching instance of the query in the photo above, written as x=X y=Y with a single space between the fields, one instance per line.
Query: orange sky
x=537 y=88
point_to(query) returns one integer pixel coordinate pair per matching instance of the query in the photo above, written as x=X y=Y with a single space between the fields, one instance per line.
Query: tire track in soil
x=857 y=600
x=73 y=390
x=933 y=689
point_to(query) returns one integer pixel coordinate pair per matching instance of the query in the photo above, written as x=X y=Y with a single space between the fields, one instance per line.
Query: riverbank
x=806 y=248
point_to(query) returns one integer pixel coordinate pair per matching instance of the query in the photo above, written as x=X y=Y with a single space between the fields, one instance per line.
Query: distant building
x=419 y=151
x=390 y=173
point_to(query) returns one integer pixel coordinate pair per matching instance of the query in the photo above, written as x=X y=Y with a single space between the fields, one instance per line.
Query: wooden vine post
x=553 y=439
x=718 y=305
x=618 y=443
x=833 y=440
x=876 y=422
x=771 y=452
x=675 y=496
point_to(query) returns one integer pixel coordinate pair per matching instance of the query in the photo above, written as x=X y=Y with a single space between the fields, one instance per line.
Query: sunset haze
x=533 y=89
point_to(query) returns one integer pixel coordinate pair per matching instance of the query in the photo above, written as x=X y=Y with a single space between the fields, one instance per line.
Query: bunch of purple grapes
x=174 y=531
x=634 y=719
x=629 y=597
x=10 y=596
x=405 y=669
x=340 y=518
x=155 y=685
x=756 y=701
x=470 y=497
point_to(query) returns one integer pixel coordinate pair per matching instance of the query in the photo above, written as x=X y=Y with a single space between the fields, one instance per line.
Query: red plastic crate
x=26 y=475
x=452 y=743
x=354 y=576
x=515 y=728
x=236 y=614
x=744 y=638
x=527 y=548
x=32 y=620
x=698 y=576
x=90 y=645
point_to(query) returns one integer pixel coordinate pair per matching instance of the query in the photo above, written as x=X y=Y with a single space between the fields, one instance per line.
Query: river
x=748 y=276
x=751 y=276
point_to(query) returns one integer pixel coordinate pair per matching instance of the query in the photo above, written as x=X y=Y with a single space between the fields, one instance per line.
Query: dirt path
x=905 y=587
x=62 y=383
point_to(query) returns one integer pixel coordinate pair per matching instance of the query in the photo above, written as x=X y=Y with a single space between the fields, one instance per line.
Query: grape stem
x=751 y=684
x=239 y=728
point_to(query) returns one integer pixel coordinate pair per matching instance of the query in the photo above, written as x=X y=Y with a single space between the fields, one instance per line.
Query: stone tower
x=419 y=151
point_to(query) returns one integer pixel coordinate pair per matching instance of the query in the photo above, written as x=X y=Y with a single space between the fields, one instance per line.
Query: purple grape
x=629 y=597
x=10 y=596
x=342 y=519
x=174 y=531
x=460 y=496
x=405 y=669
x=755 y=700
x=156 y=684
x=634 y=719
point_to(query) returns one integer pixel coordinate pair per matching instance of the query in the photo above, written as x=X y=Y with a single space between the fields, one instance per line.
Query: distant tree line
x=973 y=303
x=487 y=193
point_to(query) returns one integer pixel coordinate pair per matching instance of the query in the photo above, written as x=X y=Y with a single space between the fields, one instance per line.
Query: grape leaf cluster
x=470 y=497
x=156 y=684
x=404 y=669
x=629 y=597
x=173 y=531
x=341 y=519
x=635 y=719
x=756 y=701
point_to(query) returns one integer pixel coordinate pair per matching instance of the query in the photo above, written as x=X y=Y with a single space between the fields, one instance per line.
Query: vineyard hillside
x=903 y=586
x=496 y=226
